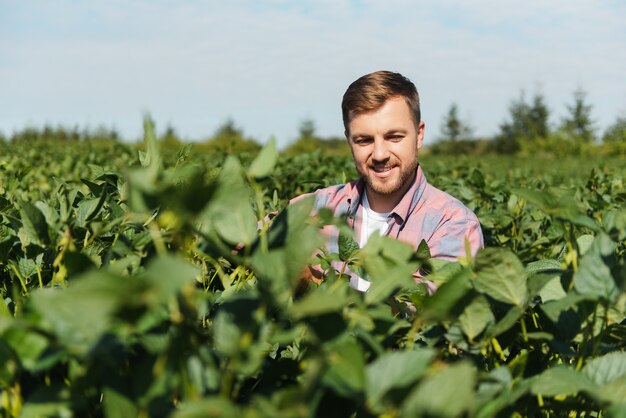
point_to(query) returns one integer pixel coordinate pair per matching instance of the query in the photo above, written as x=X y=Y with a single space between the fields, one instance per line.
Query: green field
x=123 y=296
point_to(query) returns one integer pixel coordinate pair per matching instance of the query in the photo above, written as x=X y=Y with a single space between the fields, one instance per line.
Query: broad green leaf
x=448 y=296
x=476 y=316
x=613 y=391
x=553 y=290
x=264 y=163
x=447 y=393
x=9 y=363
x=561 y=380
x=320 y=301
x=51 y=215
x=88 y=209
x=543 y=266
x=396 y=369
x=347 y=247
x=584 y=243
x=81 y=314
x=386 y=262
x=167 y=275
x=617 y=410
x=27 y=267
x=346 y=368
x=27 y=344
x=151 y=158
x=211 y=407
x=501 y=275
x=395 y=278
x=594 y=277
x=230 y=212
x=116 y=405
x=605 y=369
x=566 y=321
x=615 y=221
x=271 y=270
x=34 y=224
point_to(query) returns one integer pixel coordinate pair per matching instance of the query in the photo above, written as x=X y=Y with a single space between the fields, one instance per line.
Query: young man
x=384 y=130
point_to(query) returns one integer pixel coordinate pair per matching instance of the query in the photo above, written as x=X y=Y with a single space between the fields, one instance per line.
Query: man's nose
x=380 y=151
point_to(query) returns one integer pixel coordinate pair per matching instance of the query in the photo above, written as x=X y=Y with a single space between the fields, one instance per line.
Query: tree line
x=525 y=131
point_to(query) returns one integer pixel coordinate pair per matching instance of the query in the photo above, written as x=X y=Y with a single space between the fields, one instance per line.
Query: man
x=384 y=130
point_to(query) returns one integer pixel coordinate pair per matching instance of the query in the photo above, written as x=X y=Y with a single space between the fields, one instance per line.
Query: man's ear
x=346 y=134
x=420 y=134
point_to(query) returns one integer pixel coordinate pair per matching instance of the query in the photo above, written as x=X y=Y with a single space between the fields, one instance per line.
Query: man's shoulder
x=447 y=205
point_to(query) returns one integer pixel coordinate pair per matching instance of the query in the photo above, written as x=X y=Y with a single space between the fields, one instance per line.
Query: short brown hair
x=371 y=91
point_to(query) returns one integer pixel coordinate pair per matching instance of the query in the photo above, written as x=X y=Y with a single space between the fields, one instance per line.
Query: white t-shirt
x=372 y=221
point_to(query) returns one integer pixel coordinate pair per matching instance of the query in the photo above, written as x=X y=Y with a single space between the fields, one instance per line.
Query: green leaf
x=395 y=278
x=151 y=158
x=34 y=224
x=320 y=301
x=9 y=364
x=448 y=296
x=543 y=266
x=88 y=209
x=447 y=393
x=230 y=212
x=501 y=275
x=561 y=380
x=117 y=405
x=506 y=322
x=167 y=275
x=613 y=391
x=212 y=407
x=346 y=368
x=264 y=163
x=396 y=370
x=348 y=247
x=553 y=290
x=605 y=369
x=27 y=344
x=594 y=277
x=81 y=314
x=476 y=316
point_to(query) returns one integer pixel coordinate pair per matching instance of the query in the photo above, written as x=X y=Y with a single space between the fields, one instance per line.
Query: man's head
x=370 y=91
x=384 y=131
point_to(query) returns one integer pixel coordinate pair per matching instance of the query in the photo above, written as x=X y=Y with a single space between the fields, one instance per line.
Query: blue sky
x=270 y=64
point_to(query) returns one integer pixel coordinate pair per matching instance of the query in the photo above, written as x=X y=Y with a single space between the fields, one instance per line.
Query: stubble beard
x=389 y=188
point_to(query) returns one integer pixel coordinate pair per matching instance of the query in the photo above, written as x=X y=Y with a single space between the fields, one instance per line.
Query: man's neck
x=385 y=203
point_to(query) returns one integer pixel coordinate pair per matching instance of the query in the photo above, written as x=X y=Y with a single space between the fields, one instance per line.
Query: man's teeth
x=381 y=169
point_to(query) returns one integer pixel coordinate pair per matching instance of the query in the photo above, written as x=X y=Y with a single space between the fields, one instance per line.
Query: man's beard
x=405 y=177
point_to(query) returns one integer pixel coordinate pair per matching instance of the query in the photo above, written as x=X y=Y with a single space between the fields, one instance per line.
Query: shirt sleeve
x=448 y=241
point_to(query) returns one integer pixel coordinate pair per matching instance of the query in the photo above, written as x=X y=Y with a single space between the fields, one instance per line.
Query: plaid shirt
x=424 y=213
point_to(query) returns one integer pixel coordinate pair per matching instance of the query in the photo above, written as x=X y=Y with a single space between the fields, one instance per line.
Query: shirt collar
x=408 y=203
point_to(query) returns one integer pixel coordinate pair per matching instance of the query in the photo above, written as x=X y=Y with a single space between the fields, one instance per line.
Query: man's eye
x=395 y=137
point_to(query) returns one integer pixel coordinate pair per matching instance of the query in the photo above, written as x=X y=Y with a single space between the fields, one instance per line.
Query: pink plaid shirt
x=424 y=213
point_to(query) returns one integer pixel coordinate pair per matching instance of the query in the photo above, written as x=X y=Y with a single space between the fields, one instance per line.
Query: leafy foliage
x=153 y=285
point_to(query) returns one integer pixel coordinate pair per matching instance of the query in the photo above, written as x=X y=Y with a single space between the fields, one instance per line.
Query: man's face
x=384 y=144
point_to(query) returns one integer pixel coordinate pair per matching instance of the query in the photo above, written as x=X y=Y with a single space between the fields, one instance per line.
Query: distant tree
x=616 y=132
x=170 y=138
x=538 y=117
x=309 y=141
x=527 y=122
x=307 y=129
x=453 y=128
x=230 y=139
x=578 y=124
